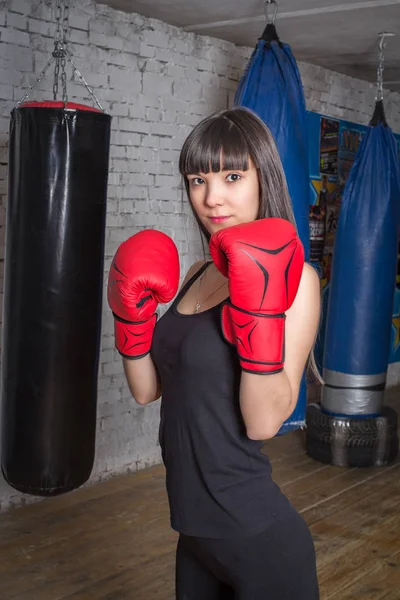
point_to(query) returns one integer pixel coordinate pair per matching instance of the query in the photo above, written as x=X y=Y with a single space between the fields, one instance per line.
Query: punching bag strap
x=270 y=35
x=379 y=115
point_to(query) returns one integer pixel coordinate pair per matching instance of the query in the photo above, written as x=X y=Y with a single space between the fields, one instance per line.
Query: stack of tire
x=351 y=441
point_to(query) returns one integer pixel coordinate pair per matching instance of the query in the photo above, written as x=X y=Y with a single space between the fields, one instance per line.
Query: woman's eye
x=235 y=176
x=196 y=181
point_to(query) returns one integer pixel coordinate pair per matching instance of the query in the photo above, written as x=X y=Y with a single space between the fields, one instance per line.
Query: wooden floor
x=113 y=540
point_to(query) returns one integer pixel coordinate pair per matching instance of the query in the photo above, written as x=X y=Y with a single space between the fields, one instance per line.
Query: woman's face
x=225 y=198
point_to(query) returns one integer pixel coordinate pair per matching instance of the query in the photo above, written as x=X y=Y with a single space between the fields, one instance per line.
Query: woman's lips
x=218 y=219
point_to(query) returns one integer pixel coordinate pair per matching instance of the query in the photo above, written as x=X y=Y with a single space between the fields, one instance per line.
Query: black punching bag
x=56 y=213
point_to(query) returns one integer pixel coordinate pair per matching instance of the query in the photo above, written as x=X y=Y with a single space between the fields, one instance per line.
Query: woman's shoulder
x=310 y=274
x=308 y=296
x=310 y=284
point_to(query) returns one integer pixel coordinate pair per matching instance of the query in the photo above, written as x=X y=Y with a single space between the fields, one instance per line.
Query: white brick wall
x=157 y=81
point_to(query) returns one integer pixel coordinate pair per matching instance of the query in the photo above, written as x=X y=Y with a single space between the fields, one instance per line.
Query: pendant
x=197 y=308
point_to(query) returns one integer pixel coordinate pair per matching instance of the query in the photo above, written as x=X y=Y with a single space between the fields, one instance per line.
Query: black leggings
x=277 y=564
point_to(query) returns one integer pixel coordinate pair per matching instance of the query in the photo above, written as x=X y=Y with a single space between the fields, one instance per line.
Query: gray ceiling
x=341 y=35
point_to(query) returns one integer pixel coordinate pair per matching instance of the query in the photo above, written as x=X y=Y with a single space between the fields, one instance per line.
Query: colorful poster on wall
x=328 y=146
x=333 y=144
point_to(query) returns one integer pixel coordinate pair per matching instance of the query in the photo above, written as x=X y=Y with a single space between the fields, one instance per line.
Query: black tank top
x=218 y=482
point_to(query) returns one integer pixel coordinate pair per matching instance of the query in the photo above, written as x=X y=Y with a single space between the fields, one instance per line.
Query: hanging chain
x=60 y=56
x=57 y=42
x=65 y=42
x=36 y=82
x=379 y=86
x=381 y=59
x=60 y=48
x=66 y=23
x=85 y=83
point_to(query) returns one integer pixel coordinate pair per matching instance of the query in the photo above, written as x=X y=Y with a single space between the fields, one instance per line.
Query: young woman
x=228 y=358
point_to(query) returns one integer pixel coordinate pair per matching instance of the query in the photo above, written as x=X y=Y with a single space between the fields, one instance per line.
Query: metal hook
x=267 y=3
x=382 y=46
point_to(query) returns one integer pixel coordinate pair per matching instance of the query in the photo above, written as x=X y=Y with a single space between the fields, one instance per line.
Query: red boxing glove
x=143 y=273
x=264 y=262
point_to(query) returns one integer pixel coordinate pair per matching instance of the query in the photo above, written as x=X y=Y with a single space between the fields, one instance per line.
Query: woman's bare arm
x=141 y=374
x=268 y=400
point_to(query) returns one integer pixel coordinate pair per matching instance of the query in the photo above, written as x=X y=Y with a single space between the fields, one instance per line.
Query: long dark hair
x=224 y=141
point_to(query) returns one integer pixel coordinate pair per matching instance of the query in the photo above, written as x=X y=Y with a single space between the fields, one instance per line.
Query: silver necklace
x=198 y=303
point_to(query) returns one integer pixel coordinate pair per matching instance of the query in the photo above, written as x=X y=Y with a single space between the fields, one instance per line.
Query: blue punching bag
x=271 y=87
x=360 y=308
x=357 y=343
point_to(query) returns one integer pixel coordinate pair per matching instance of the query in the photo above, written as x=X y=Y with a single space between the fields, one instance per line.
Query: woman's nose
x=214 y=196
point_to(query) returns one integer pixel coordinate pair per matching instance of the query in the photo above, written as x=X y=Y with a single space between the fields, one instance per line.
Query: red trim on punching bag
x=58 y=104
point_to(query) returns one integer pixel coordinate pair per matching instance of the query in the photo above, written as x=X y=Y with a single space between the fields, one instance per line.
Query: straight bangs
x=218 y=145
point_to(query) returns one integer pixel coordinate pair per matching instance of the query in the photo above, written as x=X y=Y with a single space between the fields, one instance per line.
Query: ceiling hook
x=382 y=36
x=267 y=3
